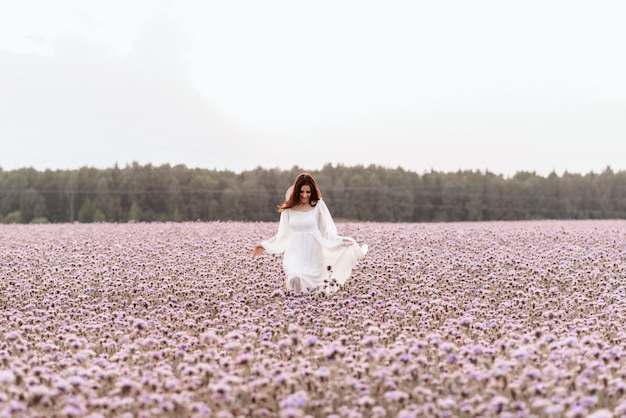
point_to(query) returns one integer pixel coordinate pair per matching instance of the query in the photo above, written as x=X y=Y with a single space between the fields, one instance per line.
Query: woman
x=315 y=256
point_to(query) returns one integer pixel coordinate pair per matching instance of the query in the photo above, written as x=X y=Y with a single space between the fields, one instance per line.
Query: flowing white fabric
x=314 y=253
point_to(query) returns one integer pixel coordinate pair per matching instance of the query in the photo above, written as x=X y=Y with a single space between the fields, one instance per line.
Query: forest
x=147 y=193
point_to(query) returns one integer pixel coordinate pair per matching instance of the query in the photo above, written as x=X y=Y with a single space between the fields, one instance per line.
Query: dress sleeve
x=326 y=224
x=278 y=243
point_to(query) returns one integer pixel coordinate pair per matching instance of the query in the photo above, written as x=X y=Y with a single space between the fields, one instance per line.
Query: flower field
x=513 y=319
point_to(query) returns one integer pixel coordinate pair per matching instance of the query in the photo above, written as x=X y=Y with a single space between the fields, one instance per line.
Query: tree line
x=147 y=193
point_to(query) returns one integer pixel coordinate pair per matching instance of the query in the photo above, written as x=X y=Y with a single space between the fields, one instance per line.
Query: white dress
x=315 y=256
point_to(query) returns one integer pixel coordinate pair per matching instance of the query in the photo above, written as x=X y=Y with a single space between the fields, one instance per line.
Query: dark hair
x=304 y=179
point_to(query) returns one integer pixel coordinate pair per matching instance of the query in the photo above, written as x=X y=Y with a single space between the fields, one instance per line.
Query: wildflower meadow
x=510 y=319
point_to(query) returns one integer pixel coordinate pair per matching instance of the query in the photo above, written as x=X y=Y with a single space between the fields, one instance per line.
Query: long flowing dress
x=316 y=257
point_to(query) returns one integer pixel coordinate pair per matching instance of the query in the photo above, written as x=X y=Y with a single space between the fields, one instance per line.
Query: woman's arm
x=327 y=226
x=258 y=250
x=278 y=243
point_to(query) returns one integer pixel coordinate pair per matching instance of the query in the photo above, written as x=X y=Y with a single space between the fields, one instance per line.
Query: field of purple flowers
x=478 y=319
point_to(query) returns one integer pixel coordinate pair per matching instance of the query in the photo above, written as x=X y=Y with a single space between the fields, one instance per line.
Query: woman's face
x=305 y=194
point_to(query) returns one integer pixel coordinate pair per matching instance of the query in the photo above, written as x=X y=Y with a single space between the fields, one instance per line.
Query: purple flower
x=396 y=396
x=11 y=335
x=7 y=377
x=297 y=399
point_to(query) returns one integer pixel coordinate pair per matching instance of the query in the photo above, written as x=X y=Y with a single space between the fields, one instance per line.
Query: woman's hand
x=258 y=250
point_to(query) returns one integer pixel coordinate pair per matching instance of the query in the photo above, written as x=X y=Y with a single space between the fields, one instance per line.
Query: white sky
x=504 y=86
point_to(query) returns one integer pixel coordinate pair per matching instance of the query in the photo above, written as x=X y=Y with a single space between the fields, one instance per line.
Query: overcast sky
x=504 y=86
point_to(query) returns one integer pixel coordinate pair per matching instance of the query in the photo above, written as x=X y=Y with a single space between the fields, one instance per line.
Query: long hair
x=304 y=179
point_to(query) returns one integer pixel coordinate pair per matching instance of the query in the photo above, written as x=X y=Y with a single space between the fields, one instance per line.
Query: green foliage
x=14 y=217
x=40 y=220
x=148 y=193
